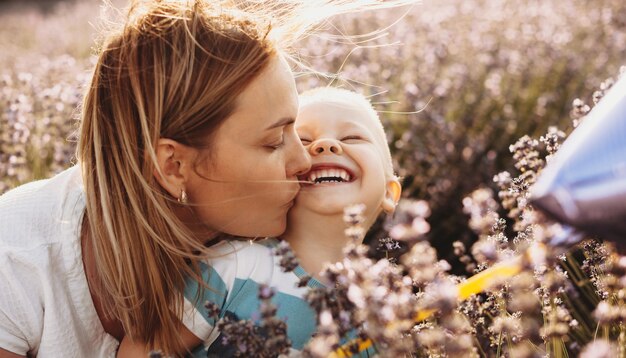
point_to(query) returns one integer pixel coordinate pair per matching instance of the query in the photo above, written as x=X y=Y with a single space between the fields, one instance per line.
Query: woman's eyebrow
x=282 y=122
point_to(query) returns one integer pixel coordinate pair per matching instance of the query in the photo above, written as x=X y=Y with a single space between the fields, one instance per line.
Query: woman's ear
x=392 y=195
x=173 y=160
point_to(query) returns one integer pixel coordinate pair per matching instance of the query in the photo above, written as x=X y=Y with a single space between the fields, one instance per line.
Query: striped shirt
x=234 y=276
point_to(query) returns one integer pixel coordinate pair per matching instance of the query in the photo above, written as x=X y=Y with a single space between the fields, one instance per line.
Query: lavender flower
x=268 y=338
x=288 y=260
x=599 y=349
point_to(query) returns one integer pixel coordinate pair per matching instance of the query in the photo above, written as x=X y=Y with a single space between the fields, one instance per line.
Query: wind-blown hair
x=171 y=69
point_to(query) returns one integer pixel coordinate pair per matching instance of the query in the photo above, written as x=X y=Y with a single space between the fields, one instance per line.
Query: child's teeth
x=330 y=173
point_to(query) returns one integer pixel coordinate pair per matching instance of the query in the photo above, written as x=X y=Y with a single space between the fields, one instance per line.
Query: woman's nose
x=325 y=146
x=300 y=161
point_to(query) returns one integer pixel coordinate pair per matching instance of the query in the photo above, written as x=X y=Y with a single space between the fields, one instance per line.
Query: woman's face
x=254 y=158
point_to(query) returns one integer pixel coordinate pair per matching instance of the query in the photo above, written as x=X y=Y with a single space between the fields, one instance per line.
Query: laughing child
x=351 y=164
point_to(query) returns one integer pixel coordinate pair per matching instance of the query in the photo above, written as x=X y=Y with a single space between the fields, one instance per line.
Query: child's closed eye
x=352 y=138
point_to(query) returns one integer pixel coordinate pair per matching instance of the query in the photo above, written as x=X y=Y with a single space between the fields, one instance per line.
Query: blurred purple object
x=584 y=185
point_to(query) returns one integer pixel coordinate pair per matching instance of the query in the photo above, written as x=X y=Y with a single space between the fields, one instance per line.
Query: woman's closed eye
x=277 y=144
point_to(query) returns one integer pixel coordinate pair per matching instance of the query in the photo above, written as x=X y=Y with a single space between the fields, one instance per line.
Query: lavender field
x=475 y=95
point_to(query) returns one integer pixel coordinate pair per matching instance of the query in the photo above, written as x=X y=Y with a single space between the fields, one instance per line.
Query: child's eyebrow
x=282 y=122
x=352 y=125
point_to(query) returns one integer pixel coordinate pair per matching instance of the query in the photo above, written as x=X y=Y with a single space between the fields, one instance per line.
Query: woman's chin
x=278 y=228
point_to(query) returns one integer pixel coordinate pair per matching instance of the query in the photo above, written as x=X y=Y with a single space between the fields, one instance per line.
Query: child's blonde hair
x=339 y=96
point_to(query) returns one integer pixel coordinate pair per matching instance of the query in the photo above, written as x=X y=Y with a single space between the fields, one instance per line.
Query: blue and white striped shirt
x=234 y=276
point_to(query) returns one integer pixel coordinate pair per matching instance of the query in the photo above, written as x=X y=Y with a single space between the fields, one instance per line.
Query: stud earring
x=183 y=198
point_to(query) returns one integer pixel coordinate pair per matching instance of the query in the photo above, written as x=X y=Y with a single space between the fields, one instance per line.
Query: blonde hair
x=173 y=69
x=339 y=96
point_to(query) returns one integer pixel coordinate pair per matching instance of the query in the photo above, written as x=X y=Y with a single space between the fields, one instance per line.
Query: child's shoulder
x=243 y=258
x=242 y=248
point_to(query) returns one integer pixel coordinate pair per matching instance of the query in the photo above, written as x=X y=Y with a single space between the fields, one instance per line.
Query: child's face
x=346 y=157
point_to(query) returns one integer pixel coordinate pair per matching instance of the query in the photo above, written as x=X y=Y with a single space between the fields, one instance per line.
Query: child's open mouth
x=322 y=174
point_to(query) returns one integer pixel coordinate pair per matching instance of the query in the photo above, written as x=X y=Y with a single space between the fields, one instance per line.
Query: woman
x=187 y=132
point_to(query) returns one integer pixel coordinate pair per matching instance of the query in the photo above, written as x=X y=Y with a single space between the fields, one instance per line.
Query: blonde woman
x=187 y=132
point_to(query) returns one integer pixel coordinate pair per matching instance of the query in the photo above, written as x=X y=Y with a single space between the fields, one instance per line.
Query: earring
x=183 y=198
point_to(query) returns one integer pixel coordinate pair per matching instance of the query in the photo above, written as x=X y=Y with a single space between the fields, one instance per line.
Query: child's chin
x=320 y=207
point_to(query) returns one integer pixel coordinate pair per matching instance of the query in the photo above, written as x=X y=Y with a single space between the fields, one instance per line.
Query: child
x=351 y=164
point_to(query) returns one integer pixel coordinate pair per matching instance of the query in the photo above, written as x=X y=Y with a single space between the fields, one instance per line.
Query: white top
x=46 y=309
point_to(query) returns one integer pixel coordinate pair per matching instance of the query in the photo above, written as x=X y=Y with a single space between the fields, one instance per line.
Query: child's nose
x=325 y=146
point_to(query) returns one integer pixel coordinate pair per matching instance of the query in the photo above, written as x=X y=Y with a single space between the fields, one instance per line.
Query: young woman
x=187 y=132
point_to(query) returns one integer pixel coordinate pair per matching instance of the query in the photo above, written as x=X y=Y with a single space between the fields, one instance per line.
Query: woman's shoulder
x=36 y=212
x=40 y=260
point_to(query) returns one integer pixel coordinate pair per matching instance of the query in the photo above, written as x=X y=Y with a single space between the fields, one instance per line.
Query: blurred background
x=455 y=81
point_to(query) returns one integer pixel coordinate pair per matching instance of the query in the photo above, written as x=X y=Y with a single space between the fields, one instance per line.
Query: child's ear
x=392 y=195
x=172 y=172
